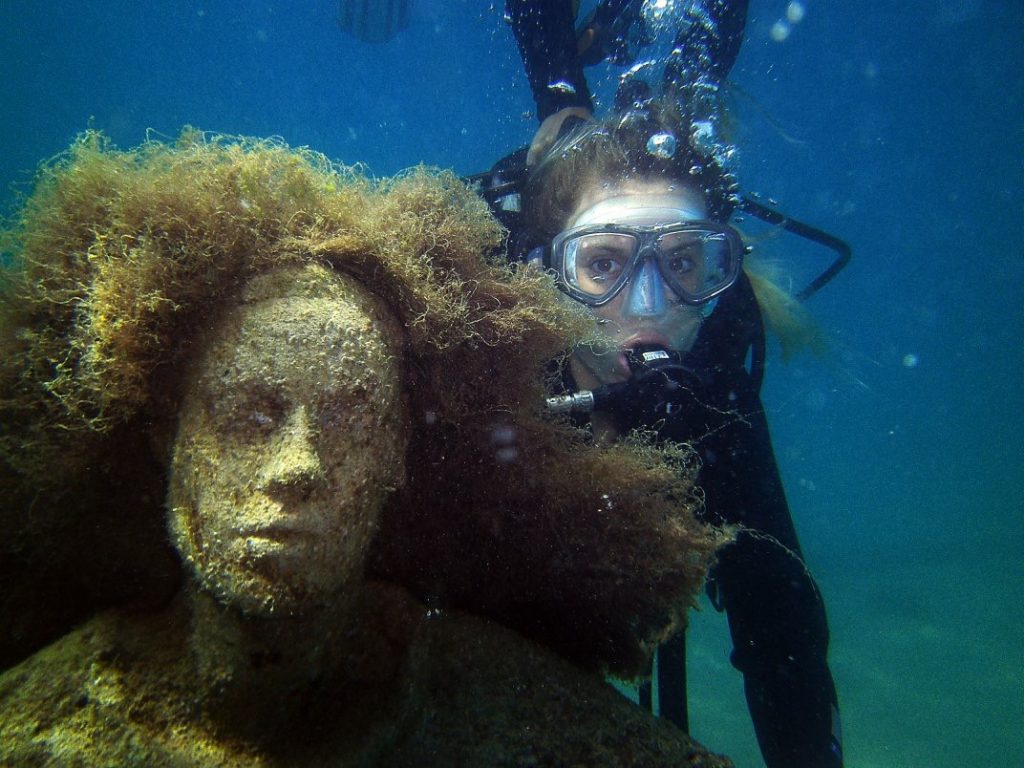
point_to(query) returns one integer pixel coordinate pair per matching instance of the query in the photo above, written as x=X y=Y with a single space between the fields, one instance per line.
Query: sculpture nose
x=646 y=291
x=292 y=461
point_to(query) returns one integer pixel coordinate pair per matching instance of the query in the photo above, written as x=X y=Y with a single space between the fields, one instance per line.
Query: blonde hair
x=785 y=316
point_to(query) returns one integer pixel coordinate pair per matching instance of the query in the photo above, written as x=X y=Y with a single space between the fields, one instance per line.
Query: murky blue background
x=900 y=131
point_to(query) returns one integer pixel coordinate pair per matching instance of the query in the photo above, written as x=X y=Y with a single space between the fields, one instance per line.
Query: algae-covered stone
x=419 y=690
x=332 y=395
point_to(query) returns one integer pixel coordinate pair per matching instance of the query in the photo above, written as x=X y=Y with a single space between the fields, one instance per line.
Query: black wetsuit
x=775 y=611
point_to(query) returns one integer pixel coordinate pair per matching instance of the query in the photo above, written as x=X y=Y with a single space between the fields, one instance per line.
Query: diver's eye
x=594 y=262
x=604 y=268
x=681 y=265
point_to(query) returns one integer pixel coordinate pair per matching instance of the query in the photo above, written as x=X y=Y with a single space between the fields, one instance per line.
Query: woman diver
x=631 y=216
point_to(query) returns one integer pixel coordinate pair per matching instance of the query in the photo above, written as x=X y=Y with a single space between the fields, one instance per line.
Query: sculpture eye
x=261 y=419
x=256 y=413
x=333 y=415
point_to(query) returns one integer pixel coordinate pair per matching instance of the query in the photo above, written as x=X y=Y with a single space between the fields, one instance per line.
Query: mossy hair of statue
x=122 y=262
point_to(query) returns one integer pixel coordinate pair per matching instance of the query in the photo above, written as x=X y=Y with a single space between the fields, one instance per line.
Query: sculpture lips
x=280 y=533
x=276 y=519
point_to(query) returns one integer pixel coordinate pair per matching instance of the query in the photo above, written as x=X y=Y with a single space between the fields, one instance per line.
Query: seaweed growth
x=120 y=260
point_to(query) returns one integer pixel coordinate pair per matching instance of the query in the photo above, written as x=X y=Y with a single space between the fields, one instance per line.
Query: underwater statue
x=329 y=400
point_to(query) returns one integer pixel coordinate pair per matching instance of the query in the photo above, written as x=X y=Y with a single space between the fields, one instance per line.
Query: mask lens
x=595 y=264
x=697 y=262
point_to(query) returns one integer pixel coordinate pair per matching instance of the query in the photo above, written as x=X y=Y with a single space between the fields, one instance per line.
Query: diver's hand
x=545 y=136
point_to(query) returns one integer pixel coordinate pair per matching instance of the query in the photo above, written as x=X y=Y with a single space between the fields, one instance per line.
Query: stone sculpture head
x=291 y=435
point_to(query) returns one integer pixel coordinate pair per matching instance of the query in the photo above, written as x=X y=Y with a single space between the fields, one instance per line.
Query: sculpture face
x=290 y=437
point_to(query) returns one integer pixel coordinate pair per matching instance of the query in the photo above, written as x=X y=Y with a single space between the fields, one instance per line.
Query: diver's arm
x=546 y=37
x=776 y=613
x=544 y=31
x=549 y=130
x=711 y=42
x=780 y=640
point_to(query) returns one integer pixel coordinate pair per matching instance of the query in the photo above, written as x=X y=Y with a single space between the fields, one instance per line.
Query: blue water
x=902 y=132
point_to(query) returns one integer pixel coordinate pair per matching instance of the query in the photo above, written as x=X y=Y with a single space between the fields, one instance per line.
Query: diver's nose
x=646 y=291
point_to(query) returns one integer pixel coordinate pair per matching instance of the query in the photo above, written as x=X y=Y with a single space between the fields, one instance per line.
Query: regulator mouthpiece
x=656 y=372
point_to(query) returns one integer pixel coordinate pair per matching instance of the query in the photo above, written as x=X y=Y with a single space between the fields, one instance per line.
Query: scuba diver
x=631 y=216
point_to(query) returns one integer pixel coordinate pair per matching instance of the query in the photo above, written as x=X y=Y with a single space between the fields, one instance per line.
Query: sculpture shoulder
x=496 y=698
x=99 y=696
x=427 y=689
x=45 y=694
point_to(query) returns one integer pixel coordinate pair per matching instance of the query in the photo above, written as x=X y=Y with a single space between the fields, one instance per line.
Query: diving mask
x=698 y=260
x=627 y=238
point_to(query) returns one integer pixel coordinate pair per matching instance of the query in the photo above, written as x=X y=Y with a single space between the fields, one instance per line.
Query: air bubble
x=561 y=86
x=703 y=133
x=662 y=146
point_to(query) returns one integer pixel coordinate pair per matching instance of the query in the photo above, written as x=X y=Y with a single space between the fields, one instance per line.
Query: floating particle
x=795 y=12
x=910 y=360
x=780 y=31
x=506 y=455
x=503 y=435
